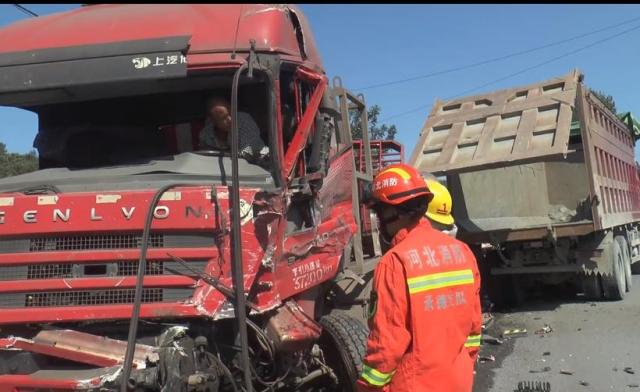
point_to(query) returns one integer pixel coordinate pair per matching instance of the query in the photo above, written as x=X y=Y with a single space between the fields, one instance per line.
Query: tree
x=376 y=131
x=12 y=164
x=606 y=99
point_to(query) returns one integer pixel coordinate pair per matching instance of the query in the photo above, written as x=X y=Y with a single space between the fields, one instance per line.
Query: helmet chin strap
x=384 y=224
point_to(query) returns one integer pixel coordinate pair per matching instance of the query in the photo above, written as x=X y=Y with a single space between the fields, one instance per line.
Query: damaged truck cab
x=129 y=259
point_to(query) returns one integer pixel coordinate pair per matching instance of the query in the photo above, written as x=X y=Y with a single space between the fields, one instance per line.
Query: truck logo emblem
x=141 y=62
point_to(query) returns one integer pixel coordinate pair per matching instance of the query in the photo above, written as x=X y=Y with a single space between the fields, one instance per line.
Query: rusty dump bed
x=521 y=160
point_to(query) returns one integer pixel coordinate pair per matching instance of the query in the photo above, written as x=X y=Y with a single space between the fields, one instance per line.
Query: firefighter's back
x=442 y=284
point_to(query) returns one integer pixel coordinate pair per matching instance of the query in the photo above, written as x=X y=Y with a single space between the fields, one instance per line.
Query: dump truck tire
x=592 y=286
x=635 y=268
x=627 y=261
x=344 y=342
x=615 y=283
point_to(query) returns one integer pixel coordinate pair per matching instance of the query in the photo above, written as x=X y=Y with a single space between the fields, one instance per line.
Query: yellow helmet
x=439 y=209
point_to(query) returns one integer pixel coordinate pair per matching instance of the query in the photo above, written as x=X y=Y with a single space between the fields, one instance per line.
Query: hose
x=135 y=314
x=227 y=372
x=236 y=237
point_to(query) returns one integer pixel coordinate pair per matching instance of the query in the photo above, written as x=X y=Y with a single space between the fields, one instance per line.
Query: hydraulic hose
x=240 y=308
x=135 y=314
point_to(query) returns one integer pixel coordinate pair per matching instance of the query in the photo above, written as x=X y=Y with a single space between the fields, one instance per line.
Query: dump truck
x=544 y=184
x=137 y=258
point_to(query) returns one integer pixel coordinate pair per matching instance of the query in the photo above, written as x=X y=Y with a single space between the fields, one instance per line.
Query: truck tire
x=635 y=268
x=344 y=342
x=614 y=284
x=592 y=286
x=627 y=260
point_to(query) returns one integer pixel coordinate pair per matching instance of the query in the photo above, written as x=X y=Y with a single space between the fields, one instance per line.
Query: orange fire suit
x=424 y=317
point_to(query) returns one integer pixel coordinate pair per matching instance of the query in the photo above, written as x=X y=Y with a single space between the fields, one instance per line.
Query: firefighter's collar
x=404 y=232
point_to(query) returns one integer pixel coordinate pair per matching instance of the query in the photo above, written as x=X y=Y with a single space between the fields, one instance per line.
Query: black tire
x=635 y=268
x=344 y=342
x=614 y=284
x=627 y=261
x=592 y=286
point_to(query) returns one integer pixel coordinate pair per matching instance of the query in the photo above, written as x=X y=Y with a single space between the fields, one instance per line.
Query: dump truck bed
x=531 y=158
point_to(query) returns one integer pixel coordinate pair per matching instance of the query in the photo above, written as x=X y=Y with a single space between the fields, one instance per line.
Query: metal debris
x=486 y=358
x=512 y=333
x=633 y=385
x=491 y=339
x=546 y=329
x=533 y=386
x=546 y=353
x=584 y=383
x=629 y=370
x=567 y=372
x=543 y=370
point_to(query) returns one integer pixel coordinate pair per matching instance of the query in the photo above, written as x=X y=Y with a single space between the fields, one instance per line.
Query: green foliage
x=606 y=99
x=376 y=131
x=12 y=164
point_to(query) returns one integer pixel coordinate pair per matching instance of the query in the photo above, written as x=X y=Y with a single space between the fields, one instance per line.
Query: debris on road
x=533 y=386
x=512 y=333
x=491 y=339
x=543 y=370
x=567 y=372
x=629 y=370
x=546 y=353
x=546 y=329
x=633 y=385
x=486 y=358
x=584 y=383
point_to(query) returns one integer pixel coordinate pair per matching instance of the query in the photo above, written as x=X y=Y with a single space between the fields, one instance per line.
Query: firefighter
x=424 y=311
x=439 y=210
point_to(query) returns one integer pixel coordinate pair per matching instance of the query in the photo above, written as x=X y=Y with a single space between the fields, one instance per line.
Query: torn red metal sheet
x=59 y=380
x=81 y=347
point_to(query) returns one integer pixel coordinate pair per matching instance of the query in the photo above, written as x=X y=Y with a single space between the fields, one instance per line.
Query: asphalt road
x=594 y=341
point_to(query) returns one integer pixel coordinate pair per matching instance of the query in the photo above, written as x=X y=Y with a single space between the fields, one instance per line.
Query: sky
x=372 y=44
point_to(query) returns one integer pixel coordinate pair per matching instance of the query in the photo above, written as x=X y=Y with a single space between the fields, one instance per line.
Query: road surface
x=597 y=342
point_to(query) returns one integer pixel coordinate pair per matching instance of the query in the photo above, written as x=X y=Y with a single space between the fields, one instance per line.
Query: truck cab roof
x=212 y=28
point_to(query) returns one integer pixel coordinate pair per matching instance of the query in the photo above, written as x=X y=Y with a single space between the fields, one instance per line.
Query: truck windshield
x=163 y=132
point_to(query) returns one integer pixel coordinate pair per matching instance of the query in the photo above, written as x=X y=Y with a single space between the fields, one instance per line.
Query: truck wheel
x=344 y=342
x=627 y=260
x=615 y=283
x=635 y=268
x=592 y=286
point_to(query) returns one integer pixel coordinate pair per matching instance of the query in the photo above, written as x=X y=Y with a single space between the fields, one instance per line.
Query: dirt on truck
x=544 y=184
x=136 y=258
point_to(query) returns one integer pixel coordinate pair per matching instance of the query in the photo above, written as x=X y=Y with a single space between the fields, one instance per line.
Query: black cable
x=495 y=59
x=135 y=314
x=227 y=372
x=25 y=10
x=422 y=107
x=236 y=237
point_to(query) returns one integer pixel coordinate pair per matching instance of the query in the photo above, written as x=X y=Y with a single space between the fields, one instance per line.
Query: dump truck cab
x=135 y=241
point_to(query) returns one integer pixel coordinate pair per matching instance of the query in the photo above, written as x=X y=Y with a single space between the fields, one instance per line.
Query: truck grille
x=44 y=271
x=108 y=269
x=91 y=242
x=92 y=297
x=104 y=242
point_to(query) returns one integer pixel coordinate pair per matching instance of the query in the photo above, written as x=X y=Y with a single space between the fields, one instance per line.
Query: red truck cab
x=120 y=92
